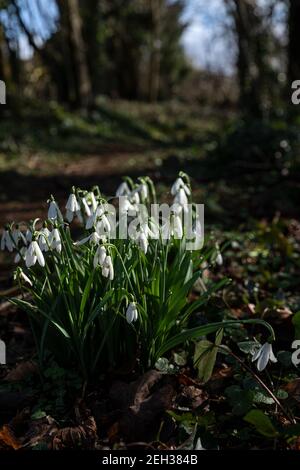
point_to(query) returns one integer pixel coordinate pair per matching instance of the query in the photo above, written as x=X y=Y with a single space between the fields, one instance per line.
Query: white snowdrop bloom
x=20 y=255
x=135 y=198
x=142 y=242
x=219 y=259
x=28 y=236
x=263 y=356
x=95 y=238
x=126 y=206
x=199 y=445
x=92 y=219
x=86 y=207
x=17 y=235
x=25 y=278
x=142 y=190
x=107 y=268
x=123 y=190
x=54 y=212
x=103 y=226
x=6 y=241
x=44 y=239
x=181 y=198
x=131 y=313
x=72 y=207
x=100 y=256
x=55 y=240
x=93 y=203
x=34 y=254
x=180 y=184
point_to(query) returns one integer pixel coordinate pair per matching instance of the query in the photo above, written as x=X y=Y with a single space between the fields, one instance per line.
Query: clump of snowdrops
x=99 y=302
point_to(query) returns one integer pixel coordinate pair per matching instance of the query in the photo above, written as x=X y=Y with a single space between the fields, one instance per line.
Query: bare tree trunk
x=250 y=58
x=294 y=41
x=154 y=76
x=83 y=77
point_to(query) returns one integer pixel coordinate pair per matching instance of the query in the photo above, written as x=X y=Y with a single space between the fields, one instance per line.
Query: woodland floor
x=249 y=202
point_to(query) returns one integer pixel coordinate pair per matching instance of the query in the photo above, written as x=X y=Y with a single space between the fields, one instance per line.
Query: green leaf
x=196 y=333
x=262 y=423
x=240 y=400
x=205 y=356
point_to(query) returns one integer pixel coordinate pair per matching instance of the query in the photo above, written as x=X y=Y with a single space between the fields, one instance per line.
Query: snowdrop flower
x=181 y=198
x=219 y=259
x=263 y=356
x=173 y=228
x=103 y=226
x=44 y=239
x=135 y=198
x=87 y=209
x=54 y=212
x=34 y=254
x=108 y=269
x=28 y=236
x=92 y=219
x=123 y=190
x=131 y=313
x=73 y=207
x=25 y=278
x=17 y=235
x=180 y=184
x=199 y=445
x=100 y=256
x=126 y=206
x=92 y=200
x=93 y=238
x=55 y=240
x=142 y=242
x=20 y=255
x=142 y=189
x=6 y=241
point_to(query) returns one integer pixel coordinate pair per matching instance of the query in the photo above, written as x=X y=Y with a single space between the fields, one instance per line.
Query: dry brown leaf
x=8 y=440
x=22 y=371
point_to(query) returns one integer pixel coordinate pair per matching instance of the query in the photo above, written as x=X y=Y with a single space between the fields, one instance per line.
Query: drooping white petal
x=87 y=209
x=55 y=240
x=72 y=204
x=52 y=212
x=219 y=259
x=263 y=359
x=28 y=236
x=108 y=269
x=69 y=216
x=179 y=183
x=123 y=190
x=25 y=278
x=143 y=242
x=9 y=242
x=83 y=241
x=94 y=203
x=131 y=313
x=181 y=198
x=272 y=355
x=38 y=253
x=30 y=256
x=44 y=239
